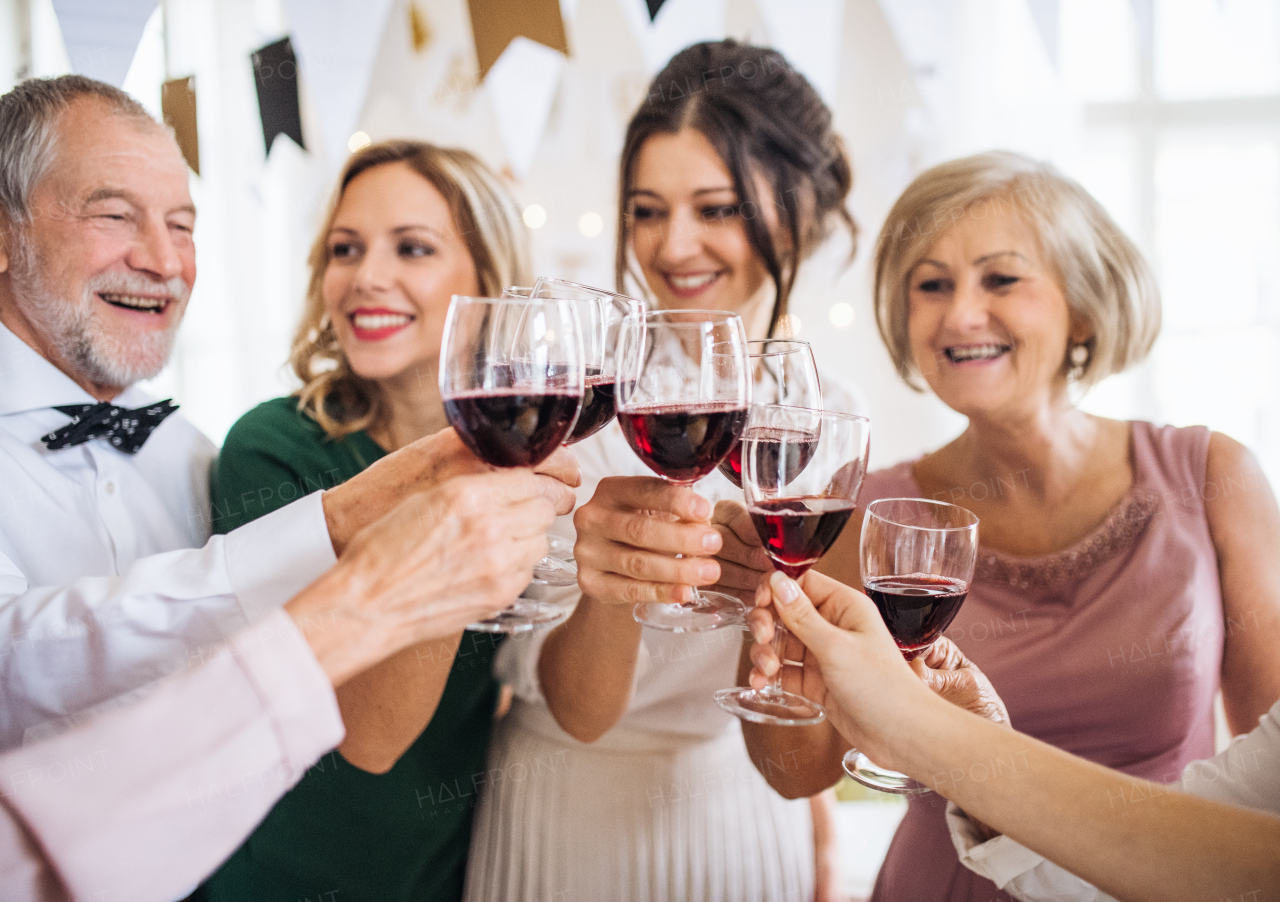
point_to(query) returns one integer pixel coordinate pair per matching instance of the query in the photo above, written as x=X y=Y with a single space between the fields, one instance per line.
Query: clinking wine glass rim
x=578 y=286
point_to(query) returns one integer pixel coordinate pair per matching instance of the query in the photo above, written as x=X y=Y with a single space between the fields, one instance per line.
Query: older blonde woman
x=1127 y=569
x=388 y=816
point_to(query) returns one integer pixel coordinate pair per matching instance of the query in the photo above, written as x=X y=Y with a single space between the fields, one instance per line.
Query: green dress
x=343 y=834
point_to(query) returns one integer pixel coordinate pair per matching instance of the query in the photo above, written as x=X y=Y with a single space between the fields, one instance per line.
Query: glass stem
x=774 y=686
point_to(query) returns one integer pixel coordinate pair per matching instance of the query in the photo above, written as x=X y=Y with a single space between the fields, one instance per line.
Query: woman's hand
x=946 y=671
x=743 y=562
x=629 y=534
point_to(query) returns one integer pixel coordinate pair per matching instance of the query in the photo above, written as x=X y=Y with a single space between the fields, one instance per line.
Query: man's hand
x=440 y=560
x=629 y=534
x=420 y=467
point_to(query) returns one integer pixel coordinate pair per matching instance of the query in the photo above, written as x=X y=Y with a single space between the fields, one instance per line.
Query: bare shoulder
x=1234 y=480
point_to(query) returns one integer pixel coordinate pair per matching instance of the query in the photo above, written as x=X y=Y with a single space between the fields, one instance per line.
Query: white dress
x=666 y=806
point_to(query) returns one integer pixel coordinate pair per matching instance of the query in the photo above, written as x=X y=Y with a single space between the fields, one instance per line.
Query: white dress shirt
x=104 y=585
x=1246 y=774
x=142 y=802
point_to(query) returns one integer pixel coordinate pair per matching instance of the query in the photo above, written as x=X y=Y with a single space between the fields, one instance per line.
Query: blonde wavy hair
x=484 y=214
x=1103 y=275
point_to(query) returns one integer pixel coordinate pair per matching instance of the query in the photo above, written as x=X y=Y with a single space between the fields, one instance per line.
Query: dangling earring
x=1079 y=356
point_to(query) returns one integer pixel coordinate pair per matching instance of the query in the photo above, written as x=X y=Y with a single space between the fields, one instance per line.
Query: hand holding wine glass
x=683 y=396
x=802 y=470
x=511 y=378
x=917 y=560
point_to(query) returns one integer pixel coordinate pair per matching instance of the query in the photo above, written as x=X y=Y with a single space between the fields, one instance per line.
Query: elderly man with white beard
x=108 y=577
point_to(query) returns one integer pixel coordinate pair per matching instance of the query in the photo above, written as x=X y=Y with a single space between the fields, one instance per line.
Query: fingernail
x=784 y=588
x=708 y=571
x=683 y=593
x=701 y=507
x=711 y=541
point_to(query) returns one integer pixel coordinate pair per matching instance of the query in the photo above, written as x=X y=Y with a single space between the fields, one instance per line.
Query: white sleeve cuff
x=1000 y=860
x=1014 y=868
x=275 y=557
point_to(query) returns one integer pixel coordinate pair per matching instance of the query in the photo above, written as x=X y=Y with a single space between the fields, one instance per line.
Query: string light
x=591 y=224
x=534 y=216
x=789 y=326
x=841 y=315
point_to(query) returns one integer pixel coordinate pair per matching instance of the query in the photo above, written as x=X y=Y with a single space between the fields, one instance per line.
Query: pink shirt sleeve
x=148 y=799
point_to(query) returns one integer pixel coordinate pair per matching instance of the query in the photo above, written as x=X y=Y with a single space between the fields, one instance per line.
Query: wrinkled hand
x=946 y=671
x=743 y=562
x=440 y=560
x=629 y=534
x=421 y=467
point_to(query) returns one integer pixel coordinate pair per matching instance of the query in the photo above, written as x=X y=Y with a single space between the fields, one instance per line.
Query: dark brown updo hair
x=762 y=117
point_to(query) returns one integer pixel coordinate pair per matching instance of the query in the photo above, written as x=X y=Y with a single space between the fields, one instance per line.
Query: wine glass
x=802 y=470
x=917 y=562
x=600 y=315
x=782 y=372
x=682 y=397
x=511 y=377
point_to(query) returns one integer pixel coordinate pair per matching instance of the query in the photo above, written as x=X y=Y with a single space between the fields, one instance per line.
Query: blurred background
x=1167 y=110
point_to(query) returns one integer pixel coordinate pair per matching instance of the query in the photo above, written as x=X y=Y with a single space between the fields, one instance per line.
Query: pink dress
x=1110 y=649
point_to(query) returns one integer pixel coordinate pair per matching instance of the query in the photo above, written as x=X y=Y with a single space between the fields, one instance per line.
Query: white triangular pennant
x=1045 y=14
x=522 y=86
x=336 y=41
x=679 y=23
x=102 y=38
x=807 y=33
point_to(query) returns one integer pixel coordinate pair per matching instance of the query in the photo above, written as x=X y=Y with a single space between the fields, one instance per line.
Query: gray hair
x=29 y=117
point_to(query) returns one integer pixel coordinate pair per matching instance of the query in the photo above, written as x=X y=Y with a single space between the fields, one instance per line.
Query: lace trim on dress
x=1123 y=525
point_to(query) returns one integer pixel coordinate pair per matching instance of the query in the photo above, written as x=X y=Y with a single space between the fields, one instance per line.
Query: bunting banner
x=275 y=75
x=1045 y=15
x=654 y=7
x=419 y=27
x=178 y=106
x=496 y=23
x=924 y=31
x=681 y=23
x=522 y=86
x=336 y=42
x=807 y=33
x=101 y=38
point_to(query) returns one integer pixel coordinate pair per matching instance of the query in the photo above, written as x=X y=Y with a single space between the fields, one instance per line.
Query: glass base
x=779 y=708
x=872 y=776
x=521 y=617
x=557 y=567
x=709 y=611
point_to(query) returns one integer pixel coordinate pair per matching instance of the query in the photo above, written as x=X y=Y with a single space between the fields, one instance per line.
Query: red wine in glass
x=802 y=470
x=682 y=400
x=917 y=607
x=511 y=427
x=782 y=372
x=917 y=558
x=511 y=378
x=683 y=442
x=798 y=531
x=798 y=448
x=597 y=407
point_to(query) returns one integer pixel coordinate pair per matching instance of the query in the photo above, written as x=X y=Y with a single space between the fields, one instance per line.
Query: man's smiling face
x=99 y=279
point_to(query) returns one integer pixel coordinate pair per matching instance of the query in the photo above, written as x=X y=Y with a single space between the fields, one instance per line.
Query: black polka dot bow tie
x=125 y=429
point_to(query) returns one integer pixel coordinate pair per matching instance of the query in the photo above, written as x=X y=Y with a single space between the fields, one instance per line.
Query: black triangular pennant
x=275 y=73
x=654 y=6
